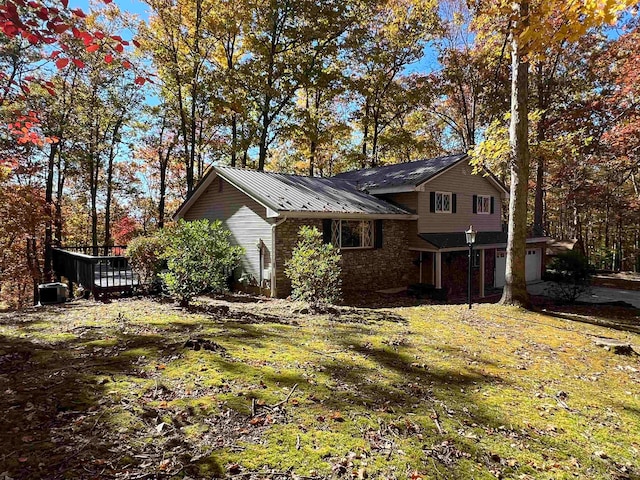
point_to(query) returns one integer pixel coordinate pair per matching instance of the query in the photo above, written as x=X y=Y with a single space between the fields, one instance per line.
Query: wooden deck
x=101 y=275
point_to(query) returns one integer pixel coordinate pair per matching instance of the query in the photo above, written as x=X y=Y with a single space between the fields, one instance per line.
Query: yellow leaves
x=552 y=22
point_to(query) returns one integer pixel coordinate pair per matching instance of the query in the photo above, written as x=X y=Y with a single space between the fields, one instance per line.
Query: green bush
x=314 y=269
x=145 y=257
x=200 y=258
x=570 y=274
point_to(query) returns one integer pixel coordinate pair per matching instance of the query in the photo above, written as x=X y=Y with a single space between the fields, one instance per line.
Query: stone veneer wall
x=362 y=269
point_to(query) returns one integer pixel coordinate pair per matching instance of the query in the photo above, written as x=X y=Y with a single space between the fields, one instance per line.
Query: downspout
x=273 y=255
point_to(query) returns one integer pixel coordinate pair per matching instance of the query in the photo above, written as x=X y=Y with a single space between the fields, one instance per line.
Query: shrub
x=199 y=257
x=570 y=275
x=145 y=256
x=314 y=269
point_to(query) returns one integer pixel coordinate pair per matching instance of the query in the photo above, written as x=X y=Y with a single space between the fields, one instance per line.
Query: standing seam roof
x=283 y=192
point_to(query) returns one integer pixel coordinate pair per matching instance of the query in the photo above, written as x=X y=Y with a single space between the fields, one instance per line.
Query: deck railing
x=99 y=274
x=108 y=251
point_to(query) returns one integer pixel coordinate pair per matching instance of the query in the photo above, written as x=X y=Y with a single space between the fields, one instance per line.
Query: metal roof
x=410 y=174
x=293 y=193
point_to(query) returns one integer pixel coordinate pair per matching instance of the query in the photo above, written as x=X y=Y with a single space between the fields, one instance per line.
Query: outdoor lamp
x=471 y=235
x=471 y=239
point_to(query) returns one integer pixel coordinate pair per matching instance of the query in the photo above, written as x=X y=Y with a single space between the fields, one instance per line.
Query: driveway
x=596 y=295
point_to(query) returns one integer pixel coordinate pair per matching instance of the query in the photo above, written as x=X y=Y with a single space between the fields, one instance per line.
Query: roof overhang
x=348 y=215
x=431 y=247
x=385 y=190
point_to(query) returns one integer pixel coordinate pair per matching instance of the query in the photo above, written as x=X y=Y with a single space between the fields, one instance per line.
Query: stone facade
x=362 y=269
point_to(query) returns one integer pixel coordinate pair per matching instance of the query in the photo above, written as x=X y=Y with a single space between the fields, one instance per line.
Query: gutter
x=273 y=254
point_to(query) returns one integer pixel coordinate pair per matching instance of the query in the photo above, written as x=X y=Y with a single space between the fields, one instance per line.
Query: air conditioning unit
x=52 y=293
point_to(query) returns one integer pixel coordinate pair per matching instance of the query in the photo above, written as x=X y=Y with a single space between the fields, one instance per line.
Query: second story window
x=483 y=204
x=443 y=202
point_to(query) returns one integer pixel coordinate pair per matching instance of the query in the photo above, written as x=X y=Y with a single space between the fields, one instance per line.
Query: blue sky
x=133 y=6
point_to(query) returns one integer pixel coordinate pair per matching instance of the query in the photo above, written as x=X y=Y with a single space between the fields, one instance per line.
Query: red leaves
x=78 y=13
x=140 y=81
x=94 y=47
x=108 y=58
x=61 y=63
x=126 y=64
x=78 y=63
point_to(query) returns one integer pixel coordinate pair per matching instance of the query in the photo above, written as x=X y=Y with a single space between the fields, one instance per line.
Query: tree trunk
x=61 y=173
x=164 y=164
x=234 y=138
x=515 y=289
x=262 y=155
x=48 y=229
x=365 y=133
x=538 y=209
x=107 y=207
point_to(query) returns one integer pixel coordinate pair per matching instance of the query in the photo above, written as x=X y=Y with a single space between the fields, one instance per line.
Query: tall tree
x=531 y=27
x=390 y=36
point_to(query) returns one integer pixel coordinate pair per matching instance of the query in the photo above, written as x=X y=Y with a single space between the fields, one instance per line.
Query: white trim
x=371 y=238
x=182 y=209
x=435 y=200
x=206 y=182
x=479 y=202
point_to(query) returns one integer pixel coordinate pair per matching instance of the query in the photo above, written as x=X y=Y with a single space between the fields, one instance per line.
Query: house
x=395 y=225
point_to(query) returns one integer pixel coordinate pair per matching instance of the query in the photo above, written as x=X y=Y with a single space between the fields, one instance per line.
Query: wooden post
x=438 y=266
x=482 y=273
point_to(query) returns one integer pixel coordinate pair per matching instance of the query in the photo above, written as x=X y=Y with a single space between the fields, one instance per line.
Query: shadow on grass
x=59 y=417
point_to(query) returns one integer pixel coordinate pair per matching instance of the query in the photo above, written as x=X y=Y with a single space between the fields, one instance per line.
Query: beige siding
x=408 y=200
x=244 y=217
x=465 y=185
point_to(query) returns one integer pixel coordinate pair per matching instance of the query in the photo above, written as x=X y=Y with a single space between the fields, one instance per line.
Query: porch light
x=471 y=235
x=471 y=239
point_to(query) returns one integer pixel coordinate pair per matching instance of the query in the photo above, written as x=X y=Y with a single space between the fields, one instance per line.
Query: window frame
x=480 y=204
x=367 y=236
x=442 y=194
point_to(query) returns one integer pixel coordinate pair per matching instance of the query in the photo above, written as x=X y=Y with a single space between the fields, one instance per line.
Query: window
x=352 y=233
x=443 y=202
x=483 y=204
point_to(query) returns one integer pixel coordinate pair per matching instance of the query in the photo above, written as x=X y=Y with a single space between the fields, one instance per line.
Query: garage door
x=532 y=264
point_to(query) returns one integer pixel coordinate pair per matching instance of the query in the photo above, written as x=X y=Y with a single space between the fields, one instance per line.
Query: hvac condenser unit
x=52 y=293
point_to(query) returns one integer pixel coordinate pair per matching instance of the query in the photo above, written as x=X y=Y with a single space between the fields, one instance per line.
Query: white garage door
x=533 y=271
x=532 y=265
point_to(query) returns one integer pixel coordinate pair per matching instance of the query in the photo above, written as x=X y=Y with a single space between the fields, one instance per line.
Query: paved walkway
x=596 y=295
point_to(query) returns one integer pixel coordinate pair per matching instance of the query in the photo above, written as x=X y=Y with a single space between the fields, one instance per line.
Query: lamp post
x=471 y=239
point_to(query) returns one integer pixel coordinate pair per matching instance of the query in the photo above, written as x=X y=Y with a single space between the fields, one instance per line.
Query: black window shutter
x=475 y=204
x=326 y=230
x=454 y=202
x=377 y=239
x=432 y=202
x=492 y=204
